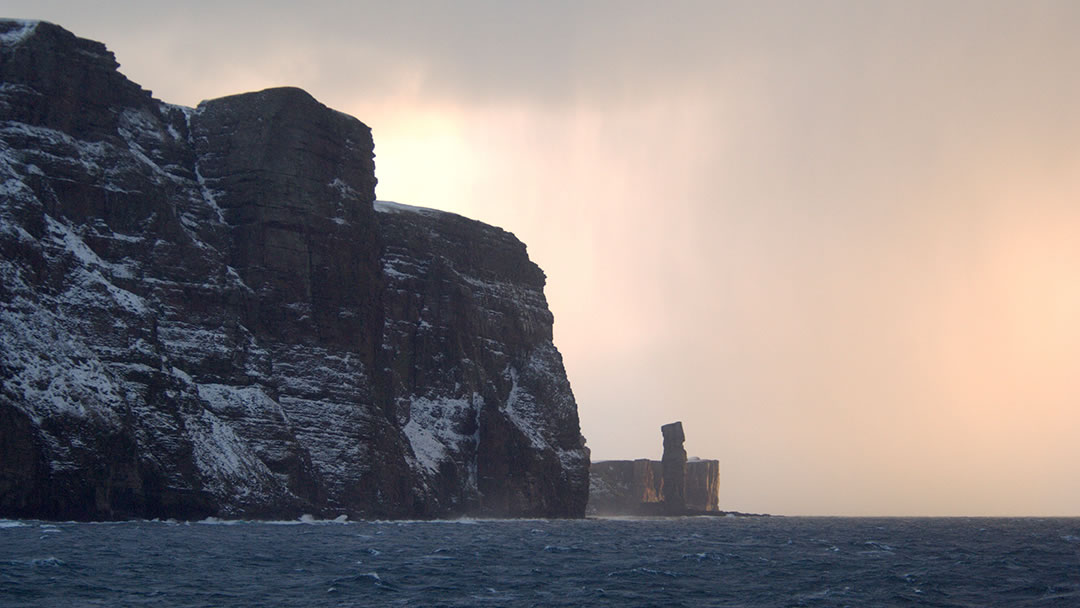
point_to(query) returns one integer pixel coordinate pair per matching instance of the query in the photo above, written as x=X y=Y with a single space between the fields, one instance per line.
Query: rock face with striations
x=204 y=312
x=702 y=485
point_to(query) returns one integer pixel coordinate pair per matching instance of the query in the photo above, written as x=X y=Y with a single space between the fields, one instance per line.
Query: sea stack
x=674 y=468
x=674 y=485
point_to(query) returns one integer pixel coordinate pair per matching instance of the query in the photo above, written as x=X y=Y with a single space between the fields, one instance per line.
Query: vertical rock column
x=674 y=468
x=295 y=182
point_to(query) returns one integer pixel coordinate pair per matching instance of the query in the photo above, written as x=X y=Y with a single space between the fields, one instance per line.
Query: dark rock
x=76 y=91
x=702 y=485
x=625 y=487
x=674 y=462
x=204 y=312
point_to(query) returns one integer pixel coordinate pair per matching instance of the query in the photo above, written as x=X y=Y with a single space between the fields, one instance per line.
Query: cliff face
x=703 y=485
x=625 y=487
x=636 y=487
x=204 y=312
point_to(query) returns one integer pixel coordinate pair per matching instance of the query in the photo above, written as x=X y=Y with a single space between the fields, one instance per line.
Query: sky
x=840 y=241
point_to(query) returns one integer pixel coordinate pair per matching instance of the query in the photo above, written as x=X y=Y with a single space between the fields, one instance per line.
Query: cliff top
x=392 y=207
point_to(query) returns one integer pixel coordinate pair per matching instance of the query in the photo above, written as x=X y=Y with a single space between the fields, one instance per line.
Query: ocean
x=693 y=562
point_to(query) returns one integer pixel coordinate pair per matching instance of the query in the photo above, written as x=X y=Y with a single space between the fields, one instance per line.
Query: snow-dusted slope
x=203 y=313
x=475 y=377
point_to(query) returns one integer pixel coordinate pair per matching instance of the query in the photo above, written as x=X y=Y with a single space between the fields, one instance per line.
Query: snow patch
x=21 y=31
x=522 y=411
x=533 y=418
x=391 y=207
x=52 y=371
x=399 y=267
x=89 y=275
x=246 y=400
x=345 y=189
x=433 y=427
x=209 y=195
x=226 y=462
x=63 y=235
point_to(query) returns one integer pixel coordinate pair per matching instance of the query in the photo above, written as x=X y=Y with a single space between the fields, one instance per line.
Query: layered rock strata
x=702 y=485
x=204 y=312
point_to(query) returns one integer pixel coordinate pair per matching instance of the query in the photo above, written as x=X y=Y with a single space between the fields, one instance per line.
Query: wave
x=305 y=519
x=360 y=579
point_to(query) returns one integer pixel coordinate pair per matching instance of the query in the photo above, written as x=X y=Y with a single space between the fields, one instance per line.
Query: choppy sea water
x=622 y=562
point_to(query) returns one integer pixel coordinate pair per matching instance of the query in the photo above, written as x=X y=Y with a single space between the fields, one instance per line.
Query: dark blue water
x=645 y=562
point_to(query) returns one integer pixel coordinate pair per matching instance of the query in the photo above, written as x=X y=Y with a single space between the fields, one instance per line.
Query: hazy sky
x=839 y=240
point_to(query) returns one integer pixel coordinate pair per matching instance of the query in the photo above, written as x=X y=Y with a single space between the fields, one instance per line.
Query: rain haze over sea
x=704 y=561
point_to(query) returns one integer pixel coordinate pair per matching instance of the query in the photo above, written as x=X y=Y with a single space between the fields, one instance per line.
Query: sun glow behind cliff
x=838 y=241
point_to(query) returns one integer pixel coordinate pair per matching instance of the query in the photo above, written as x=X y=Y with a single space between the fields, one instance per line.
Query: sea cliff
x=205 y=312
